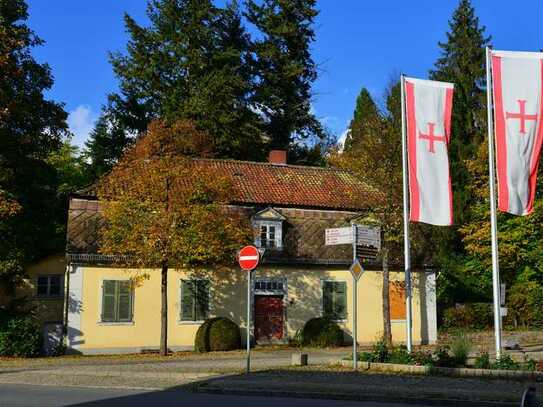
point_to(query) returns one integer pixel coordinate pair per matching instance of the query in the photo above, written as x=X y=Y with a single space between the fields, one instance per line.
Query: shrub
x=506 y=362
x=217 y=334
x=400 y=355
x=482 y=361
x=19 y=336
x=525 y=305
x=443 y=358
x=468 y=316
x=380 y=352
x=422 y=358
x=460 y=349
x=322 y=333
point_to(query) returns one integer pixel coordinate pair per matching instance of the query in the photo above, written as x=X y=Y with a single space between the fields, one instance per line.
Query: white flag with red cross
x=518 y=110
x=428 y=111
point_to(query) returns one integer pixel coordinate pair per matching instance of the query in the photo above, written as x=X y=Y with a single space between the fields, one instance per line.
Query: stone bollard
x=299 y=359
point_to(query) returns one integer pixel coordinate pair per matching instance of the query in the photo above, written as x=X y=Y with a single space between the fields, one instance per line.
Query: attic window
x=268 y=226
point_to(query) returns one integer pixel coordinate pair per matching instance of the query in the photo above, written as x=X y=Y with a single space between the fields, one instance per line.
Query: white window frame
x=278 y=224
x=209 y=302
x=101 y=298
x=323 y=281
x=48 y=295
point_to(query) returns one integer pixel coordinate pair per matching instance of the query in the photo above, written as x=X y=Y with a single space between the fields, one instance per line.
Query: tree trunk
x=164 y=312
x=387 y=331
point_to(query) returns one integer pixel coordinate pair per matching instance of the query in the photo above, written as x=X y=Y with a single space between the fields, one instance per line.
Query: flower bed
x=454 y=356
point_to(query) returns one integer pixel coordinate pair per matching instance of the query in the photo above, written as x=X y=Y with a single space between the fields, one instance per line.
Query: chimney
x=278 y=157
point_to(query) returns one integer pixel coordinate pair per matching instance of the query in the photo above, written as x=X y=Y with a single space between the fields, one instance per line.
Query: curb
x=446 y=371
x=352 y=397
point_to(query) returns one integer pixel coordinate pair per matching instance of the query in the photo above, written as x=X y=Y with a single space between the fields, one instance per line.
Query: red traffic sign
x=248 y=258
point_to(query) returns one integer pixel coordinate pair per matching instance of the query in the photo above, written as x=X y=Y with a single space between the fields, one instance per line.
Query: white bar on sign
x=248 y=257
x=336 y=236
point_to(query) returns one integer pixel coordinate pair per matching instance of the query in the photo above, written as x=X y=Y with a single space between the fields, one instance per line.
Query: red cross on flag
x=428 y=113
x=518 y=109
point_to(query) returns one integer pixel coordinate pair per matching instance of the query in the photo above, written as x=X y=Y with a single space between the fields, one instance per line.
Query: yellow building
x=290 y=207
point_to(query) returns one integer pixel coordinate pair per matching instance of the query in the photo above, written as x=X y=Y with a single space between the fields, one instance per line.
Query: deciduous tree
x=163 y=210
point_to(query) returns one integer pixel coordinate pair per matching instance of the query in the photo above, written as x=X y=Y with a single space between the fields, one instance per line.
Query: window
x=50 y=286
x=269 y=234
x=396 y=293
x=334 y=297
x=194 y=300
x=117 y=299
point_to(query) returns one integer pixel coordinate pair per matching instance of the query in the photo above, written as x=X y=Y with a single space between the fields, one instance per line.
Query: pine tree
x=190 y=63
x=365 y=112
x=31 y=127
x=462 y=62
x=285 y=68
x=105 y=145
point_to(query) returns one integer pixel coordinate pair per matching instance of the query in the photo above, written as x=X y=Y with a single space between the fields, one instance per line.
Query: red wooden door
x=268 y=317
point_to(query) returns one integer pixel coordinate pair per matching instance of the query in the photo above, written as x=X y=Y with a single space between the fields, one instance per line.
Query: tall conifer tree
x=462 y=62
x=189 y=63
x=284 y=68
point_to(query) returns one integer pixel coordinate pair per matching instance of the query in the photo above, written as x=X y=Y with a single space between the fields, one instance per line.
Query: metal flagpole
x=407 y=260
x=493 y=220
x=355 y=318
x=249 y=321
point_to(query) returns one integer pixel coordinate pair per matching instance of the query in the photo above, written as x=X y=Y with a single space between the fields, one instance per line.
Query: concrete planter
x=446 y=371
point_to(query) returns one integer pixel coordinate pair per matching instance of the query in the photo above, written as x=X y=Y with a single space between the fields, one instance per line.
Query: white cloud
x=81 y=122
x=341 y=140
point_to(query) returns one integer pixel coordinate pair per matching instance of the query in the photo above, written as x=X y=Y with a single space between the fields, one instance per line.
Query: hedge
x=321 y=332
x=217 y=334
x=19 y=335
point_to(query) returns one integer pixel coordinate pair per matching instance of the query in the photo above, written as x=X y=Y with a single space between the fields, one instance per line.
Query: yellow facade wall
x=302 y=301
x=46 y=309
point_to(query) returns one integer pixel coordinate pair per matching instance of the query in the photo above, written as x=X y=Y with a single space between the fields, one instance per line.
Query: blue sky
x=359 y=43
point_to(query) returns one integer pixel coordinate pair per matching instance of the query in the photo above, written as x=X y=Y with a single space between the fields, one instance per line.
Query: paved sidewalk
x=146 y=372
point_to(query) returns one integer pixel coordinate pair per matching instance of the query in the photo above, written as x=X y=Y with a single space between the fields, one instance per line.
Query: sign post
x=248 y=259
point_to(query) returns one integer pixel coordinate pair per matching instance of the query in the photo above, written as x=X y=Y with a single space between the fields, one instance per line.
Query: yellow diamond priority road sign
x=356 y=270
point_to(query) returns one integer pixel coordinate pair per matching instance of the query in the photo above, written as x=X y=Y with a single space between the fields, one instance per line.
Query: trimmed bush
x=525 y=305
x=217 y=334
x=19 y=336
x=322 y=333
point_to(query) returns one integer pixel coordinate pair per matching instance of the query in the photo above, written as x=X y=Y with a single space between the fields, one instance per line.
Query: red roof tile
x=294 y=185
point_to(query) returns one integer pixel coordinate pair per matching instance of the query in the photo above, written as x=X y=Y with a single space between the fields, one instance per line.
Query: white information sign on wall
x=338 y=236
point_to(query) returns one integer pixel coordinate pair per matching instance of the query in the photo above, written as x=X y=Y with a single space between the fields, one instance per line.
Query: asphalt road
x=17 y=395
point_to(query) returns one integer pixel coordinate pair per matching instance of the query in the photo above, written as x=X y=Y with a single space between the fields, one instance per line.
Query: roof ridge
x=267 y=164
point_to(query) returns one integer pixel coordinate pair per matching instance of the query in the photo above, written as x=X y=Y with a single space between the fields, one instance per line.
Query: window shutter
x=341 y=300
x=202 y=300
x=327 y=299
x=125 y=301
x=187 y=301
x=108 y=301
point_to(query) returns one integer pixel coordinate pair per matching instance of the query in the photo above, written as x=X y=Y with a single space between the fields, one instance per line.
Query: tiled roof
x=294 y=185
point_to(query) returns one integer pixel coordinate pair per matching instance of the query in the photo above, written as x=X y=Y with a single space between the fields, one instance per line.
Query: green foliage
x=31 y=127
x=468 y=316
x=217 y=334
x=19 y=336
x=380 y=352
x=365 y=113
x=105 y=146
x=284 y=68
x=422 y=358
x=506 y=362
x=482 y=361
x=322 y=333
x=443 y=357
x=400 y=355
x=192 y=62
x=460 y=348
x=525 y=302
